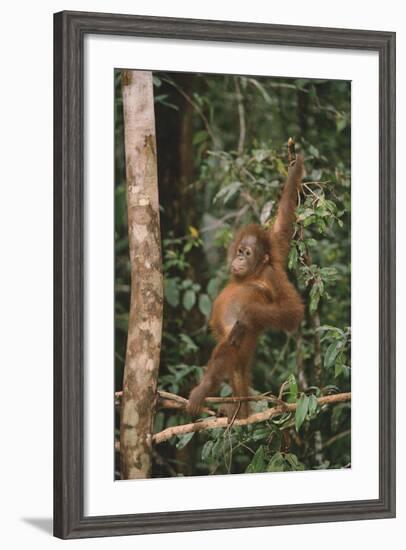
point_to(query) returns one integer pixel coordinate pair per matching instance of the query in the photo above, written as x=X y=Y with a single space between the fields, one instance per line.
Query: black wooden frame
x=69 y=31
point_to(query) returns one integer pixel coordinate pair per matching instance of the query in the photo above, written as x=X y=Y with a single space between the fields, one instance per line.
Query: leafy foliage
x=214 y=177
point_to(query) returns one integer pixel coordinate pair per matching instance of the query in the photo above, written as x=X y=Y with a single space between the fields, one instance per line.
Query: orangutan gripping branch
x=258 y=296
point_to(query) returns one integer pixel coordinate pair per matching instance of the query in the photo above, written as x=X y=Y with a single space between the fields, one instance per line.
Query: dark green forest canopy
x=222 y=157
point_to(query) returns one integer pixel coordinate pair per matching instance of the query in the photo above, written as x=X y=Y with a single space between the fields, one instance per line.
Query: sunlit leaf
x=301 y=411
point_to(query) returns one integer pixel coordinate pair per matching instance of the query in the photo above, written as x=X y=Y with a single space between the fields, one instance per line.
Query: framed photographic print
x=224 y=274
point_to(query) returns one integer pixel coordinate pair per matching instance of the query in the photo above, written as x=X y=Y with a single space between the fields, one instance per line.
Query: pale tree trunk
x=145 y=321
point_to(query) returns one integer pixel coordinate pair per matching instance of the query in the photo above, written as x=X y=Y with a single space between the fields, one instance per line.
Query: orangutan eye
x=248 y=252
x=240 y=251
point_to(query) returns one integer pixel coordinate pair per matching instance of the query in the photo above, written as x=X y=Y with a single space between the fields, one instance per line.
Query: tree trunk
x=145 y=320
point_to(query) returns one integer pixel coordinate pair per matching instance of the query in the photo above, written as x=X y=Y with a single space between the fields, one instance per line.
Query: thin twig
x=251 y=201
x=332 y=440
x=282 y=389
x=315 y=322
x=241 y=115
x=167 y=400
x=165 y=397
x=195 y=107
x=234 y=417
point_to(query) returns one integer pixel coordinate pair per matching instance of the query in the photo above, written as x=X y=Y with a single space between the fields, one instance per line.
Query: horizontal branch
x=210 y=424
x=168 y=400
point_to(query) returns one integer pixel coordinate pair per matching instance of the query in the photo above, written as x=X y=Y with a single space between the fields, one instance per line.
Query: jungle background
x=222 y=160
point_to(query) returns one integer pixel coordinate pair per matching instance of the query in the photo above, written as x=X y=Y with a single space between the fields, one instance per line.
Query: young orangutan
x=258 y=296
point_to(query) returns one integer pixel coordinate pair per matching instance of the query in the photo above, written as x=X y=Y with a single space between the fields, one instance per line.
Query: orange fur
x=259 y=297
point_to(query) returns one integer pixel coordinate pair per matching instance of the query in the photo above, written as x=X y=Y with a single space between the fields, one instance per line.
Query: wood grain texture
x=145 y=317
x=69 y=30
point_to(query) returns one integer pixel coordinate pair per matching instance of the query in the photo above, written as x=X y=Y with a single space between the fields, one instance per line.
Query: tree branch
x=195 y=107
x=209 y=424
x=241 y=116
x=168 y=400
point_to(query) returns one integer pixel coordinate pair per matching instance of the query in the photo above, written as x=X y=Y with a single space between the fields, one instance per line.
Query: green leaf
x=189 y=300
x=199 y=137
x=172 y=292
x=213 y=288
x=331 y=354
x=277 y=463
x=341 y=369
x=311 y=243
x=276 y=441
x=305 y=213
x=331 y=206
x=302 y=247
x=329 y=274
x=257 y=463
x=314 y=302
x=260 y=433
x=292 y=388
x=341 y=123
x=190 y=345
x=186 y=283
x=301 y=411
x=260 y=154
x=316 y=292
x=184 y=440
x=217 y=450
x=308 y=221
x=335 y=330
x=206 y=451
x=293 y=257
x=293 y=461
x=204 y=304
